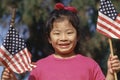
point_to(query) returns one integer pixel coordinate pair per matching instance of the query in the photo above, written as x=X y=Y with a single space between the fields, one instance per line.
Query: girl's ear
x=49 y=40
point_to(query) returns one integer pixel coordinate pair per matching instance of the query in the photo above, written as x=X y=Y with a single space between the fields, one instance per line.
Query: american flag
x=14 y=53
x=108 y=20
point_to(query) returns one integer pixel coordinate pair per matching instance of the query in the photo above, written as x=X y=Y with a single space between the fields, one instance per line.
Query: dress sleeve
x=33 y=75
x=97 y=73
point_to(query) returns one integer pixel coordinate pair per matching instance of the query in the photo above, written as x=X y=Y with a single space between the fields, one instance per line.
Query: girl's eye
x=69 y=32
x=56 y=33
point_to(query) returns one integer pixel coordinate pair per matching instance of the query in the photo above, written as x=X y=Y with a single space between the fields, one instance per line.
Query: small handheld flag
x=108 y=20
x=108 y=23
x=14 y=53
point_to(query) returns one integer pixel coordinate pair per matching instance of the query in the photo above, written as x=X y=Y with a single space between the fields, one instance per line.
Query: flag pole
x=111 y=50
x=13 y=17
x=12 y=21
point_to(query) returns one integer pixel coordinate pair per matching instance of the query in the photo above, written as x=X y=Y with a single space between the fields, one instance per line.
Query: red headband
x=59 y=6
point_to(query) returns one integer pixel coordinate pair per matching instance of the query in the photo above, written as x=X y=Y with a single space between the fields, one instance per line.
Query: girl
x=67 y=63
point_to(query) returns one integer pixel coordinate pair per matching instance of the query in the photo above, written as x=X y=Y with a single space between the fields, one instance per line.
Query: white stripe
x=110 y=20
x=4 y=49
x=6 y=60
x=25 y=60
x=20 y=60
x=1 y=55
x=27 y=53
x=109 y=26
x=17 y=64
x=106 y=31
x=118 y=18
x=12 y=59
x=28 y=58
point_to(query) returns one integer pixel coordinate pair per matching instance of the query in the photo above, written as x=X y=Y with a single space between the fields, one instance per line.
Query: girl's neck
x=64 y=56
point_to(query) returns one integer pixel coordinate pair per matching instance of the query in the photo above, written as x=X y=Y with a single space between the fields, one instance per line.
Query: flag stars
x=108 y=9
x=13 y=42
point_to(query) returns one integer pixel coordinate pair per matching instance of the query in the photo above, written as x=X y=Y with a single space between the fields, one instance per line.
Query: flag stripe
x=16 y=64
x=111 y=26
x=27 y=54
x=109 y=21
x=108 y=28
x=19 y=62
x=25 y=59
x=6 y=58
x=105 y=32
x=3 y=59
x=19 y=59
x=118 y=19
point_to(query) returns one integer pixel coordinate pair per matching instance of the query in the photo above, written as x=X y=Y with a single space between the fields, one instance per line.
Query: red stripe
x=24 y=58
x=17 y=59
x=5 y=54
x=2 y=60
x=106 y=34
x=108 y=29
x=117 y=20
x=9 y=59
x=108 y=22
x=28 y=56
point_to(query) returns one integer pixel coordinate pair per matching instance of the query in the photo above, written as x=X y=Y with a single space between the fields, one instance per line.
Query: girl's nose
x=63 y=37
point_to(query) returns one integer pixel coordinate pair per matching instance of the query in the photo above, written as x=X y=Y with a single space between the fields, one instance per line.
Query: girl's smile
x=64 y=45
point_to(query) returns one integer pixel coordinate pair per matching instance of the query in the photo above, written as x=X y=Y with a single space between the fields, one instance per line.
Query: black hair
x=59 y=14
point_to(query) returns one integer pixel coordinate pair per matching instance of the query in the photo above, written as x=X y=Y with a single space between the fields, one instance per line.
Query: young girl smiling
x=66 y=63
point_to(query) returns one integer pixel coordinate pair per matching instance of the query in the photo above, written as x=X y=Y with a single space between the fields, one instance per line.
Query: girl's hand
x=113 y=64
x=8 y=75
x=113 y=67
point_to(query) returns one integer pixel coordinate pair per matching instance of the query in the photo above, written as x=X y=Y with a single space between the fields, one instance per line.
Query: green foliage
x=30 y=10
x=82 y=6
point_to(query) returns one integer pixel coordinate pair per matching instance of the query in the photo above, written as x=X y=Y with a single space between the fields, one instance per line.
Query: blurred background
x=30 y=22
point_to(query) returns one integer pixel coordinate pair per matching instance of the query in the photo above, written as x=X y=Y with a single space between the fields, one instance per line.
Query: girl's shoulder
x=86 y=59
x=44 y=60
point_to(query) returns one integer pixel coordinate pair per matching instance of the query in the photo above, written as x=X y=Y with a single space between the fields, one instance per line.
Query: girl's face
x=63 y=37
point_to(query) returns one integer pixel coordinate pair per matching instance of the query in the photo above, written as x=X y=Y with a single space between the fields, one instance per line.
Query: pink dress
x=76 y=68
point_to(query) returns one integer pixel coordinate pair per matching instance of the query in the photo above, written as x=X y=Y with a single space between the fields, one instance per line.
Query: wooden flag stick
x=111 y=50
x=13 y=17
x=12 y=21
